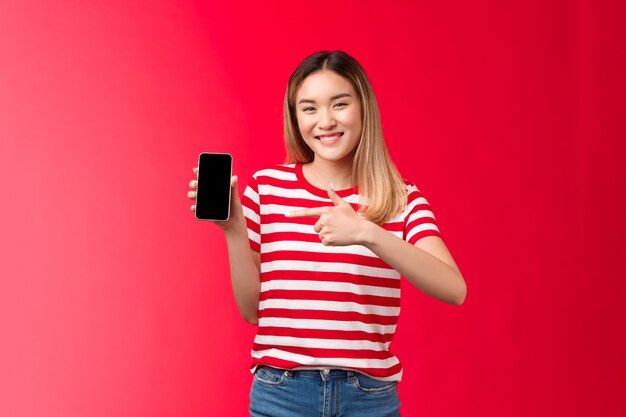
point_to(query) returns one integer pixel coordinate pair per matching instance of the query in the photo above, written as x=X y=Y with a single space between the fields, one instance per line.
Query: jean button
x=325 y=371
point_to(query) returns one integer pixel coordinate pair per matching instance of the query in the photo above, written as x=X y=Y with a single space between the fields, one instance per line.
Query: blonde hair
x=379 y=182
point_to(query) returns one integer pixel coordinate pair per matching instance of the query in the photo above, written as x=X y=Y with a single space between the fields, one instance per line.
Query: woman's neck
x=320 y=173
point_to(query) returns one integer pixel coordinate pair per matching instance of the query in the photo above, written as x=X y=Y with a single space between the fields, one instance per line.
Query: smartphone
x=213 y=192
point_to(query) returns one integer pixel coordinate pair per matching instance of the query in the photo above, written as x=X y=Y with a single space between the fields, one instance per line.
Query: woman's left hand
x=337 y=225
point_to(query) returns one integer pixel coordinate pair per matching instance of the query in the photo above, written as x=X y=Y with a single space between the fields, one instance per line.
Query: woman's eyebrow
x=308 y=100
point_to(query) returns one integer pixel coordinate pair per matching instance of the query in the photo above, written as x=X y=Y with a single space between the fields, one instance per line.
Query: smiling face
x=328 y=111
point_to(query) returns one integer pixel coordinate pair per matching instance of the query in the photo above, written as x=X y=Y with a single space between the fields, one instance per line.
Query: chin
x=334 y=158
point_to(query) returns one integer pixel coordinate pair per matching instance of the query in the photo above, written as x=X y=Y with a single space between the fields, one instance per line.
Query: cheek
x=302 y=123
x=356 y=124
x=353 y=118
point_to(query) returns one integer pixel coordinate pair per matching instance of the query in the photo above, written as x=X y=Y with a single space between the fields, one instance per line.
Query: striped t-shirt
x=323 y=306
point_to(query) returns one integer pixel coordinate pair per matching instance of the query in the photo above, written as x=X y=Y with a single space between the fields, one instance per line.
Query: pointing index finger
x=312 y=212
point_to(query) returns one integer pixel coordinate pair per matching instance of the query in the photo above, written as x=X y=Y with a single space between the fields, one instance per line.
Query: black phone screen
x=213 y=192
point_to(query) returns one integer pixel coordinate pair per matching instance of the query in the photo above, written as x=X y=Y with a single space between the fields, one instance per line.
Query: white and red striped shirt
x=323 y=306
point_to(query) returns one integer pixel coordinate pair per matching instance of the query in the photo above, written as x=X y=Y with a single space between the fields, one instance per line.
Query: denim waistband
x=324 y=373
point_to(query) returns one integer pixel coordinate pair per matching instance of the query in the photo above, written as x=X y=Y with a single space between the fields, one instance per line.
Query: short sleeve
x=420 y=220
x=251 y=211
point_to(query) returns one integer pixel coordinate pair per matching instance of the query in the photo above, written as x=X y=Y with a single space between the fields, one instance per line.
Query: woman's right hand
x=236 y=217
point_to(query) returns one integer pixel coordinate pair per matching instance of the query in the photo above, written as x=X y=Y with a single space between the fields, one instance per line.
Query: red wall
x=115 y=301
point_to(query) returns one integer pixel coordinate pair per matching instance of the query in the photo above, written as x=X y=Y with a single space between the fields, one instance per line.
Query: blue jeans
x=321 y=393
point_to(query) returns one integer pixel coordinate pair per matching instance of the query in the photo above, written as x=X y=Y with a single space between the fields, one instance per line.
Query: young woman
x=317 y=247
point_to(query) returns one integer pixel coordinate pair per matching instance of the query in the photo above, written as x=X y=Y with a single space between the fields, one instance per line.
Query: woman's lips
x=329 y=138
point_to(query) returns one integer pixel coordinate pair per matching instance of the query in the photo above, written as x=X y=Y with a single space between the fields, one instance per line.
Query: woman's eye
x=341 y=105
x=306 y=109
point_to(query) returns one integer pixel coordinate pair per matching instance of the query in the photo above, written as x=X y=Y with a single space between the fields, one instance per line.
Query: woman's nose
x=326 y=121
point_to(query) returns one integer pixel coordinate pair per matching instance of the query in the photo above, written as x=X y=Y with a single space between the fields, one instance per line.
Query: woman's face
x=328 y=111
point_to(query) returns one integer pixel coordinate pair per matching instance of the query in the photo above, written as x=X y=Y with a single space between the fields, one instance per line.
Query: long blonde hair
x=380 y=184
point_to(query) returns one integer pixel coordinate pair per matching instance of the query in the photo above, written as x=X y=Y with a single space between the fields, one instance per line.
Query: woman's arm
x=428 y=264
x=244 y=262
x=244 y=272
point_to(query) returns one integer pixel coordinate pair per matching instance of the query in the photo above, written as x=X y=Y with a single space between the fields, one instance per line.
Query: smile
x=330 y=138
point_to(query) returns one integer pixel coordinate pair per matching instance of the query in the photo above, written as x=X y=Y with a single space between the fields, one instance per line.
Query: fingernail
x=332 y=187
x=288 y=214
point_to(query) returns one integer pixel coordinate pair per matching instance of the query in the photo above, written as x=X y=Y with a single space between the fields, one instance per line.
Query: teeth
x=329 y=138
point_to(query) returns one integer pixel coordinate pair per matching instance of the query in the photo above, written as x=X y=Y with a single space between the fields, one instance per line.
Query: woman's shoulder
x=275 y=171
x=414 y=195
x=411 y=187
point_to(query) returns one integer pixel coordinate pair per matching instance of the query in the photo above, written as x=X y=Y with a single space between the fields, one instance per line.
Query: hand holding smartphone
x=213 y=188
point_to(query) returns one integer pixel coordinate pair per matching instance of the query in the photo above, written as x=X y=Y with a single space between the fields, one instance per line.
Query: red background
x=115 y=301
